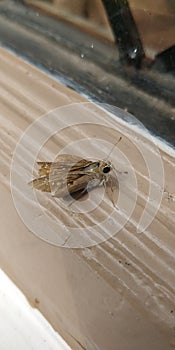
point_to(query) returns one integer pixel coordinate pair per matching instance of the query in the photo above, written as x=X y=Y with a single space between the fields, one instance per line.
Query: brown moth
x=69 y=175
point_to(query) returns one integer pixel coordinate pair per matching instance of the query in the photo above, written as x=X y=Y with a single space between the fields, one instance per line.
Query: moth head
x=105 y=167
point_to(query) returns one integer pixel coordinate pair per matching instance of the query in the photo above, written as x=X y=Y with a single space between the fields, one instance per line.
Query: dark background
x=94 y=67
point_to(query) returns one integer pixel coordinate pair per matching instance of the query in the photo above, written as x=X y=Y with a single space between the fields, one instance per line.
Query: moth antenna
x=113 y=148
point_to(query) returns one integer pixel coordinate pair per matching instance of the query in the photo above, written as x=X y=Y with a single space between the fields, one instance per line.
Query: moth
x=71 y=175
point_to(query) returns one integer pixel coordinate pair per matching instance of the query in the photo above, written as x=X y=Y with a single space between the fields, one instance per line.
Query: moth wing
x=69 y=161
x=44 y=168
x=48 y=182
x=78 y=184
x=41 y=183
x=65 y=175
x=63 y=161
x=60 y=162
x=54 y=171
x=72 y=169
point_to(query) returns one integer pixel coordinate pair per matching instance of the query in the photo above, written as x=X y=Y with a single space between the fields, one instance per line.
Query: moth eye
x=106 y=169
